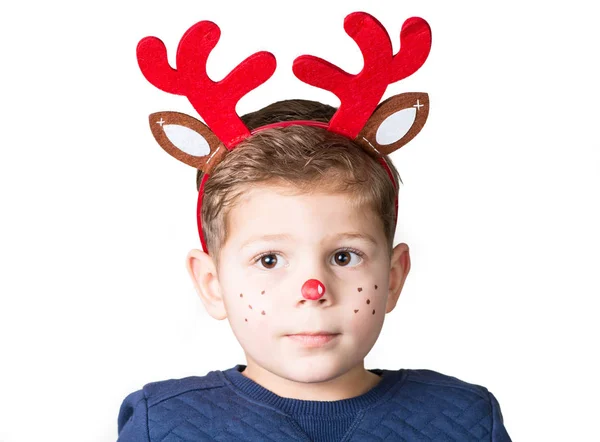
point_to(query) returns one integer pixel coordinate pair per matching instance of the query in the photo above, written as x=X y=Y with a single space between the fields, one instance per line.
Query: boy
x=297 y=224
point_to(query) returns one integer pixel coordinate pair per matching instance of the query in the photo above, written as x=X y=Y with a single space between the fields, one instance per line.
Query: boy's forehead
x=281 y=212
x=271 y=200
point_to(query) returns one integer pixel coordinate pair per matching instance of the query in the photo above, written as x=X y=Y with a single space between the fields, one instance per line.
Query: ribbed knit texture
x=323 y=421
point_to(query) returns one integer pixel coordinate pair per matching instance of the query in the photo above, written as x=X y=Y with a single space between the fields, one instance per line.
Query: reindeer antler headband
x=378 y=128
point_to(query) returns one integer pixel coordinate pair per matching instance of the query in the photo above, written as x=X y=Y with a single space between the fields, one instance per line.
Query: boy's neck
x=351 y=384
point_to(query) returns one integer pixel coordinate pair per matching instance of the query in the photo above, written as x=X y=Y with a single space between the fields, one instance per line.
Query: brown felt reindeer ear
x=394 y=123
x=187 y=139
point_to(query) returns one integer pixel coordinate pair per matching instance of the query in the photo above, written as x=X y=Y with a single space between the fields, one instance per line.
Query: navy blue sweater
x=406 y=405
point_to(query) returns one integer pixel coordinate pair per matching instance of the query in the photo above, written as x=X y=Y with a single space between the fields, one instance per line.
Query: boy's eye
x=344 y=257
x=269 y=261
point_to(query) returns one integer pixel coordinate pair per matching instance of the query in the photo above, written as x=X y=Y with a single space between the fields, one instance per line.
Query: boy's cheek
x=367 y=304
x=249 y=303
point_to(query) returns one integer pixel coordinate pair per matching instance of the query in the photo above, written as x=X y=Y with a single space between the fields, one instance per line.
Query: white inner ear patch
x=187 y=140
x=394 y=127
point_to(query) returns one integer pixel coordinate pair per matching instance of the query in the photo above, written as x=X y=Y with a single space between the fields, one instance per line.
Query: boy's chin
x=309 y=370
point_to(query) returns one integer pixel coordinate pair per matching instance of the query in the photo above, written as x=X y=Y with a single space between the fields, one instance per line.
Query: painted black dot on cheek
x=249 y=306
x=263 y=313
x=360 y=289
x=375 y=286
x=246 y=319
x=241 y=295
x=373 y=311
x=262 y=293
x=355 y=311
x=368 y=301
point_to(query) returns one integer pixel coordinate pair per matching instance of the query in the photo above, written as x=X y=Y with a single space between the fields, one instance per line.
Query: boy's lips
x=320 y=332
x=313 y=339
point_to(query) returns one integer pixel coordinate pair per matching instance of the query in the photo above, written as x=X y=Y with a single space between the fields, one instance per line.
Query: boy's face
x=260 y=280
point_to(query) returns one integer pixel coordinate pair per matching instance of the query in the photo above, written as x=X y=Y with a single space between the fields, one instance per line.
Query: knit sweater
x=406 y=405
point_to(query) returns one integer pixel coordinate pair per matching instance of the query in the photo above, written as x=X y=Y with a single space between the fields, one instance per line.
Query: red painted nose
x=313 y=289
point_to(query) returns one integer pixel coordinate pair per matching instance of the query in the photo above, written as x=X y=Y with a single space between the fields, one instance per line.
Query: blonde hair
x=302 y=158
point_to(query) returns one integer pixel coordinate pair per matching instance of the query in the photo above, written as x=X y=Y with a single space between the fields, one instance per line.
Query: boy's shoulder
x=433 y=379
x=155 y=392
x=166 y=403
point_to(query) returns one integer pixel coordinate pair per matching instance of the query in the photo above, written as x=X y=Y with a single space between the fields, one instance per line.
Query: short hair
x=303 y=158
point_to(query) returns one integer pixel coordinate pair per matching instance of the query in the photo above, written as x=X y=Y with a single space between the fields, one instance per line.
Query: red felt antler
x=360 y=94
x=214 y=101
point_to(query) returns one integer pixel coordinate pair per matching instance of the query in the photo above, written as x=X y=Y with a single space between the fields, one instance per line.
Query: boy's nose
x=313 y=289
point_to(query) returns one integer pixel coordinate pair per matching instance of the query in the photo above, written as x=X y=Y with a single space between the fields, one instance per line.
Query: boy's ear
x=204 y=276
x=399 y=268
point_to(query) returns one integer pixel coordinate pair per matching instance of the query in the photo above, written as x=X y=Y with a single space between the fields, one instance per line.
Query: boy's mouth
x=313 y=339
x=308 y=333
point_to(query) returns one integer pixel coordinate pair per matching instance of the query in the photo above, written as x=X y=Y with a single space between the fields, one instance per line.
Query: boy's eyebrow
x=356 y=235
x=272 y=237
x=284 y=236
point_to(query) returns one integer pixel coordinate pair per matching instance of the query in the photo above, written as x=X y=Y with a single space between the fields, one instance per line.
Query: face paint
x=313 y=289
x=360 y=289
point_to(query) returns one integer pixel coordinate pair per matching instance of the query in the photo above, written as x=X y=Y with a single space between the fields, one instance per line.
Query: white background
x=499 y=205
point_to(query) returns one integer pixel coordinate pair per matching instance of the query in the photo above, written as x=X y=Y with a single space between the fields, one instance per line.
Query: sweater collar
x=256 y=392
